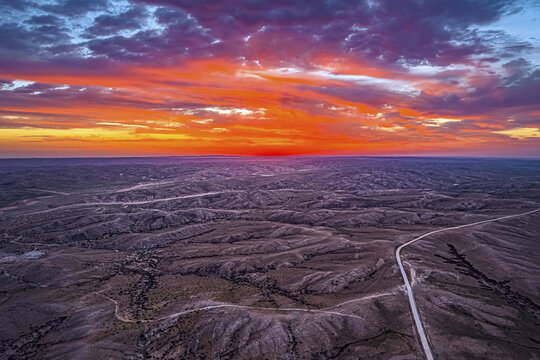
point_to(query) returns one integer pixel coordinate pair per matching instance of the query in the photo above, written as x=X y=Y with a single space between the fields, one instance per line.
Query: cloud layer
x=269 y=77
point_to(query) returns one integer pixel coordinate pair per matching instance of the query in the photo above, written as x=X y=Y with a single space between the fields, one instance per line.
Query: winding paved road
x=414 y=308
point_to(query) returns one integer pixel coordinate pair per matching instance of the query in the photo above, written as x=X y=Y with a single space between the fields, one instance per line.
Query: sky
x=269 y=77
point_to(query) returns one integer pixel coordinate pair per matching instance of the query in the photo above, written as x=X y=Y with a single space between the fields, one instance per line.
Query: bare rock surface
x=242 y=258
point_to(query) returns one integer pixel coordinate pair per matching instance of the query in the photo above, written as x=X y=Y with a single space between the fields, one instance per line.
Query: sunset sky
x=261 y=77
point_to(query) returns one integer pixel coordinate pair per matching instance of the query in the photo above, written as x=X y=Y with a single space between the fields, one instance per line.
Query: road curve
x=326 y=311
x=141 y=202
x=117 y=203
x=414 y=308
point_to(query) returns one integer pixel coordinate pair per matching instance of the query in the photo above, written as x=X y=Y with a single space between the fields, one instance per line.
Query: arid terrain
x=268 y=258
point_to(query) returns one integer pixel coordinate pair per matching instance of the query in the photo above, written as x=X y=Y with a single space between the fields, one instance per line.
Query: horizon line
x=533 y=157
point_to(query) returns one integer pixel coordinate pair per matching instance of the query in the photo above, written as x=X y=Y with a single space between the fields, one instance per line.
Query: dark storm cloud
x=260 y=12
x=494 y=95
x=385 y=32
x=111 y=24
x=411 y=30
x=18 y=38
x=7 y=5
x=74 y=7
x=45 y=20
x=516 y=69
x=180 y=36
